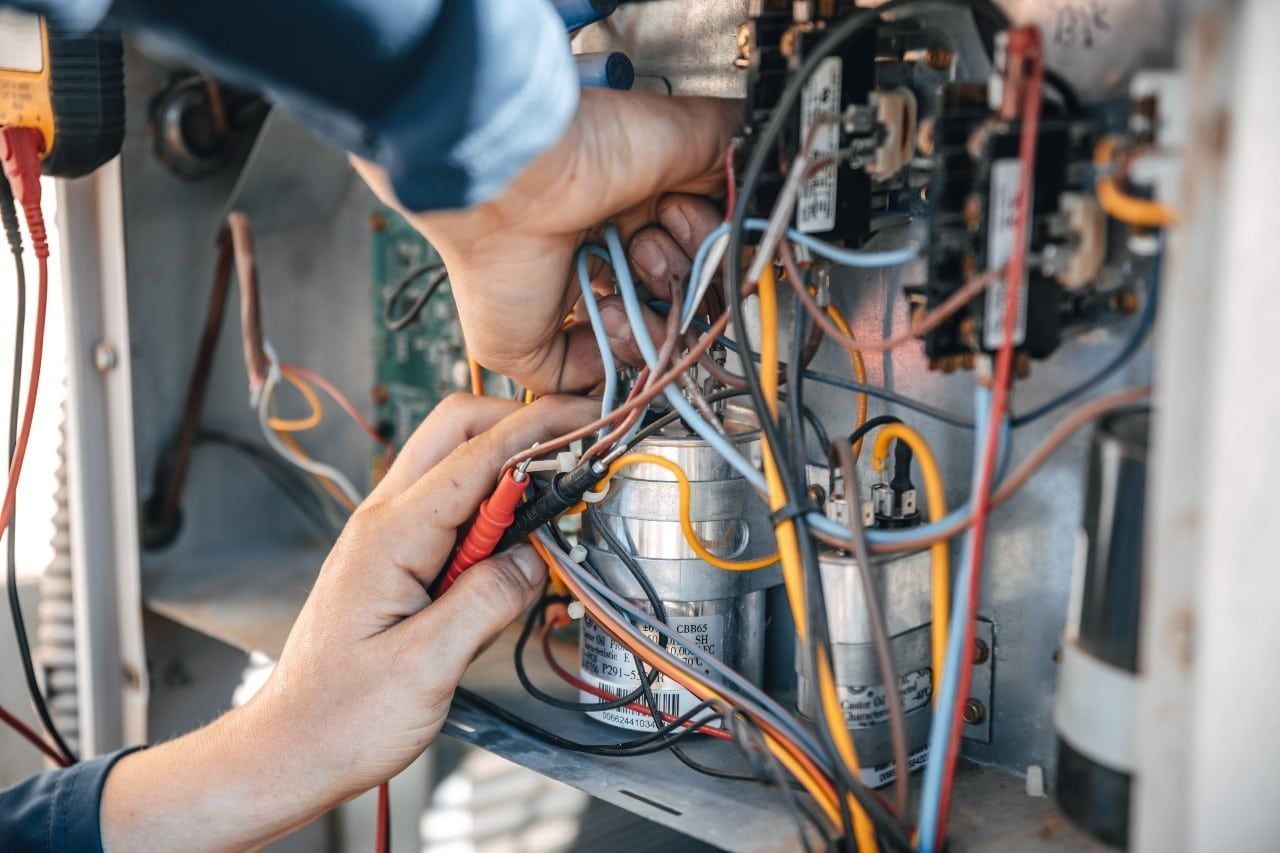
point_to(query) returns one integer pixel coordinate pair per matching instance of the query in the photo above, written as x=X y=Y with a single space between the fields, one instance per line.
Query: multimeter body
x=69 y=86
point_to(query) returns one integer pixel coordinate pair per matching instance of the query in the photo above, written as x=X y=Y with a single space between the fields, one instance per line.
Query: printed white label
x=606 y=663
x=1002 y=214
x=816 y=207
x=867 y=705
x=883 y=774
x=20 y=45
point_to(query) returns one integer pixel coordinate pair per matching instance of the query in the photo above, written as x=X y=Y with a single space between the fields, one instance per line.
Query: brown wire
x=949 y=306
x=879 y=629
x=640 y=400
x=255 y=357
x=199 y=383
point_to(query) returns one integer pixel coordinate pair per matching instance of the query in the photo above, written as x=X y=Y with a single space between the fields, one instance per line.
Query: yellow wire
x=789 y=549
x=313 y=400
x=1118 y=204
x=686 y=522
x=477 y=377
x=859 y=374
x=323 y=481
x=937 y=510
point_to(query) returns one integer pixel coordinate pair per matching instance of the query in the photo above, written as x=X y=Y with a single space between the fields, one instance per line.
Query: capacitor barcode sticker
x=883 y=774
x=816 y=207
x=608 y=665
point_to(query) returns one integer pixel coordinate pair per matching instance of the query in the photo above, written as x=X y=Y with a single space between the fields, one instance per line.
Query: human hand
x=510 y=260
x=369 y=670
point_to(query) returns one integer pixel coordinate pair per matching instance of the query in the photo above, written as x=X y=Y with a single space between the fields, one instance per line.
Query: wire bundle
x=820 y=757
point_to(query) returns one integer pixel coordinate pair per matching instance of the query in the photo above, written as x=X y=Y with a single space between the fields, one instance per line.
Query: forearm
x=237 y=783
x=453 y=99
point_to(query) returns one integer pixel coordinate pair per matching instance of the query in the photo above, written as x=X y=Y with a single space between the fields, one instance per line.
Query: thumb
x=485 y=599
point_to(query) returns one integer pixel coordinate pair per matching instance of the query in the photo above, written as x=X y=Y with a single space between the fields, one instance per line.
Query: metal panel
x=1207 y=777
x=111 y=665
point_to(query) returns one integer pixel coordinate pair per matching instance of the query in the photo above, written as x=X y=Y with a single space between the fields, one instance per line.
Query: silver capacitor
x=904 y=584
x=719 y=611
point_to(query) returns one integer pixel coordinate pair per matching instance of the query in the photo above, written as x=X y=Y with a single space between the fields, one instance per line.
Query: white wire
x=311 y=466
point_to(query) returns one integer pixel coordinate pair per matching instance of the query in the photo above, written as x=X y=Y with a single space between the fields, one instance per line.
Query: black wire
x=874 y=423
x=9 y=215
x=795 y=395
x=526 y=681
x=656 y=741
x=396 y=324
x=283 y=477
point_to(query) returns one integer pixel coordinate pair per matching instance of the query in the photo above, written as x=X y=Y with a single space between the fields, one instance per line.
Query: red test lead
x=495 y=516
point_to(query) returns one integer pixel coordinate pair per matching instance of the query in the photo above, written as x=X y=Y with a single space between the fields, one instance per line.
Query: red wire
x=1024 y=47
x=38 y=742
x=33 y=385
x=572 y=680
x=383 y=842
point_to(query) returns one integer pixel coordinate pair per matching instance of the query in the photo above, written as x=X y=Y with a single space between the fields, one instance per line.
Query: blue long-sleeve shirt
x=452 y=97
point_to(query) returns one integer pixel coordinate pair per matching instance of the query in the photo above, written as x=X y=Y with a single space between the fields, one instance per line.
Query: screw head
x=981 y=651
x=974 y=712
x=104 y=356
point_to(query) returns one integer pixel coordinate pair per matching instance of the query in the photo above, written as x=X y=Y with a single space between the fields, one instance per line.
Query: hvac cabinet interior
x=243 y=559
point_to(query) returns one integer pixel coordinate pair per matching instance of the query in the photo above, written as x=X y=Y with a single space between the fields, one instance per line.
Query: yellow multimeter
x=68 y=86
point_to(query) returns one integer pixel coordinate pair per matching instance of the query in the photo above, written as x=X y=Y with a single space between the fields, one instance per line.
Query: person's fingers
x=483 y=601
x=622 y=339
x=647 y=144
x=418 y=526
x=455 y=420
x=688 y=219
x=659 y=261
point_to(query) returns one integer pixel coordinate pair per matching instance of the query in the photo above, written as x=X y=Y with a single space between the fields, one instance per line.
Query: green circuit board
x=420 y=365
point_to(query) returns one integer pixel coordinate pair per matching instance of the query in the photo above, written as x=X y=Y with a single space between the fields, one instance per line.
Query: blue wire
x=855 y=258
x=944 y=712
x=597 y=329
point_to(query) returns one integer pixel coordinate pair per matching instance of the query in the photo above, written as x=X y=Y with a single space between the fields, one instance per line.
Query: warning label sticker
x=816 y=207
x=867 y=706
x=607 y=664
x=1002 y=215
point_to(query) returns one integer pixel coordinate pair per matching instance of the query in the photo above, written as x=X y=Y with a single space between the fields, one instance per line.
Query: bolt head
x=974 y=712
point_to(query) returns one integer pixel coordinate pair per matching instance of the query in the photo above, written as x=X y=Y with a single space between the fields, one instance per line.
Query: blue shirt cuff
x=58 y=809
